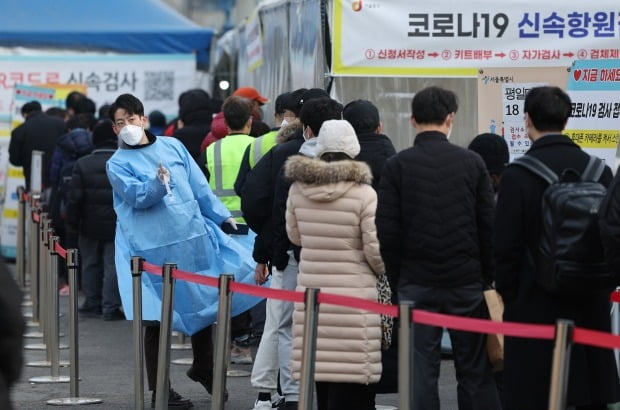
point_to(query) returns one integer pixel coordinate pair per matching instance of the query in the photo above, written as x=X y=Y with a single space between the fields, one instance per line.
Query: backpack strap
x=537 y=167
x=593 y=170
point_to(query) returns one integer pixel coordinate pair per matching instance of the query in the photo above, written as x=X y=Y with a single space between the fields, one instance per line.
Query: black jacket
x=593 y=377
x=258 y=197
x=40 y=132
x=90 y=208
x=375 y=149
x=434 y=215
x=191 y=136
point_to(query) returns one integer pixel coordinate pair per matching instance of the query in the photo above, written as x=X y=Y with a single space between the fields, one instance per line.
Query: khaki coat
x=331 y=215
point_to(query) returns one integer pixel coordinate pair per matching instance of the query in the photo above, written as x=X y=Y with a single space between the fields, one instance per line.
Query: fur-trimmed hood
x=326 y=181
x=287 y=132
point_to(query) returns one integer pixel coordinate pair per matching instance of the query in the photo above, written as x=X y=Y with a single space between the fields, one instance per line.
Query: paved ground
x=106 y=372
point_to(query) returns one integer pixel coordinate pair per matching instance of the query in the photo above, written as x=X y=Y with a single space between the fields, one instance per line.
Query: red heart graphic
x=577 y=75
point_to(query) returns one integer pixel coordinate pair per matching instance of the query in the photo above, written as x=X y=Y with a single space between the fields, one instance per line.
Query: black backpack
x=570 y=257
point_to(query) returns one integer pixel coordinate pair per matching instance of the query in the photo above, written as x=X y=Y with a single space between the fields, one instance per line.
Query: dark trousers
x=338 y=396
x=202 y=346
x=475 y=385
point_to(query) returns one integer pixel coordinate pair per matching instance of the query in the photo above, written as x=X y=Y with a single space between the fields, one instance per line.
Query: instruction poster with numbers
x=594 y=89
x=156 y=79
x=450 y=38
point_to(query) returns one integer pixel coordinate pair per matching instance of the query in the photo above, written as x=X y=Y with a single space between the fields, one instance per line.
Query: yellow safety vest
x=261 y=145
x=223 y=162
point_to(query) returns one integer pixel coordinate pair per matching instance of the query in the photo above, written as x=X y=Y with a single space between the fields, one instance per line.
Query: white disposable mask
x=131 y=134
x=284 y=123
x=449 y=132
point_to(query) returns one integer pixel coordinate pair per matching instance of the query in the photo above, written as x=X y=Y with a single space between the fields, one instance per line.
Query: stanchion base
x=385 y=407
x=27 y=303
x=186 y=361
x=27 y=315
x=42 y=346
x=73 y=401
x=35 y=346
x=237 y=373
x=47 y=363
x=31 y=323
x=33 y=334
x=179 y=346
x=50 y=379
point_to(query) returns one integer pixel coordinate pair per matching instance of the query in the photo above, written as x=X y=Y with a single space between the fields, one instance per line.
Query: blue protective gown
x=182 y=228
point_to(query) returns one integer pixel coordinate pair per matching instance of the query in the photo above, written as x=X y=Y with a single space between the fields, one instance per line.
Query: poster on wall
x=594 y=89
x=157 y=79
x=254 y=41
x=501 y=92
x=48 y=95
x=448 y=38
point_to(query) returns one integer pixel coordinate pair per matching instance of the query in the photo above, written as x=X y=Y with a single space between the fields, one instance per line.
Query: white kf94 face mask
x=131 y=134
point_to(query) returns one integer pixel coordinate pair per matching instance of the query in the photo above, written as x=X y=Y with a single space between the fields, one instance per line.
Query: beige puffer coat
x=331 y=213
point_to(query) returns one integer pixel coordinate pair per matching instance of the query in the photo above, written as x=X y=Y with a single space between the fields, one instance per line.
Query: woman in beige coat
x=331 y=215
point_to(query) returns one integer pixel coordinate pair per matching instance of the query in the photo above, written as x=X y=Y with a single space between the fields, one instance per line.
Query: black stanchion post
x=74 y=389
x=308 y=352
x=138 y=339
x=405 y=355
x=163 y=356
x=222 y=342
x=560 y=365
x=20 y=255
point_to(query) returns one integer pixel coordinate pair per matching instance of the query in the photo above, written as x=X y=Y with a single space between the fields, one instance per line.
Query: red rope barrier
x=60 y=250
x=150 y=268
x=35 y=217
x=615 y=296
x=484 y=326
x=194 y=277
x=523 y=330
x=280 y=294
x=26 y=197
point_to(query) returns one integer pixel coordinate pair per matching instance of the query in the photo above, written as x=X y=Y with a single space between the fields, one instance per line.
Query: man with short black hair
x=434 y=222
x=39 y=132
x=593 y=380
x=375 y=147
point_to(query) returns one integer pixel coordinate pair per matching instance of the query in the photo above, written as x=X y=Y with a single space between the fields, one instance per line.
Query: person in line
x=38 y=132
x=269 y=358
x=91 y=214
x=593 y=377
x=434 y=223
x=494 y=152
x=330 y=213
x=167 y=212
x=375 y=147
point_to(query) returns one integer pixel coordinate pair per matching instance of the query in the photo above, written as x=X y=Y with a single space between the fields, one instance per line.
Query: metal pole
x=561 y=361
x=308 y=352
x=74 y=399
x=21 y=248
x=138 y=339
x=43 y=291
x=33 y=270
x=405 y=354
x=53 y=345
x=163 y=355
x=222 y=342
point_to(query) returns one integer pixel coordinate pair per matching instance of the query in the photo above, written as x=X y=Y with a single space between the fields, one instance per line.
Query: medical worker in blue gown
x=166 y=212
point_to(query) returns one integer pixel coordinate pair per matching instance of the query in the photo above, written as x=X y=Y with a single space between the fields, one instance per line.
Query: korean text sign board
x=156 y=79
x=594 y=89
x=451 y=38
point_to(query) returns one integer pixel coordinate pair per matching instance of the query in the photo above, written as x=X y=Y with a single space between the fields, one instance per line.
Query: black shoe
x=116 y=314
x=205 y=380
x=289 y=405
x=175 y=401
x=89 y=311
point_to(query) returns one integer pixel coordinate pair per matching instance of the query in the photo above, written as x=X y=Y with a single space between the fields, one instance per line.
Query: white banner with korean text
x=594 y=89
x=455 y=38
x=156 y=79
